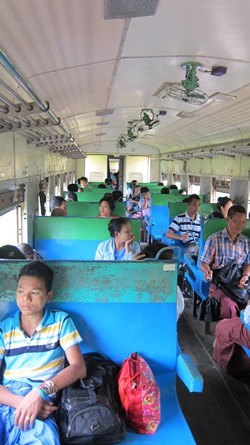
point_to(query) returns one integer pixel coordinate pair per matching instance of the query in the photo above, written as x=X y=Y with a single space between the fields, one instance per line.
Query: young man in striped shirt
x=187 y=227
x=33 y=345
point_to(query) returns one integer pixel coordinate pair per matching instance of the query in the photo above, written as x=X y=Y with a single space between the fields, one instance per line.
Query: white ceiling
x=83 y=64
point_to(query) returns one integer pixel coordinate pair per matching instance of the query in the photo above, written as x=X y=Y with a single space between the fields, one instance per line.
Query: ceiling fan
x=148 y=120
x=121 y=142
x=187 y=90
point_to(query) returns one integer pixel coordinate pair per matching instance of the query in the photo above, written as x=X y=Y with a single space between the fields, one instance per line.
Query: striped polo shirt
x=40 y=357
x=182 y=224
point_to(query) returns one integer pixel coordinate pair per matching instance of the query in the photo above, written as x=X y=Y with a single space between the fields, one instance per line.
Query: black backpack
x=90 y=410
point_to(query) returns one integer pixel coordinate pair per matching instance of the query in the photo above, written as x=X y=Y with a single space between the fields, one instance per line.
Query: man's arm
x=33 y=405
x=172 y=235
x=173 y=230
x=208 y=273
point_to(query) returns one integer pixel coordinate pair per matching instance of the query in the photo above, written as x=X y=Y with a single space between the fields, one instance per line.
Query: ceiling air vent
x=104 y=112
x=187 y=115
x=126 y=9
x=222 y=97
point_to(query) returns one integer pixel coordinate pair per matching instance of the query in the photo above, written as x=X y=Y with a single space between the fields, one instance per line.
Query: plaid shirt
x=220 y=249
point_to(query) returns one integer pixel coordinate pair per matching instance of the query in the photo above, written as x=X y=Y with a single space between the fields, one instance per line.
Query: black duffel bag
x=90 y=410
x=227 y=279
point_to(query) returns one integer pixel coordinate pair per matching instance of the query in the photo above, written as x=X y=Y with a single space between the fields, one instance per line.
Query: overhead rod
x=16 y=73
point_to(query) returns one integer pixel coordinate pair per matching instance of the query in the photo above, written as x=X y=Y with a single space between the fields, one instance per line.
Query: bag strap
x=88 y=384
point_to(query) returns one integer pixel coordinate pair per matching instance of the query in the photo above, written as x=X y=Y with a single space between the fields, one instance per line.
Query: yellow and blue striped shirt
x=40 y=357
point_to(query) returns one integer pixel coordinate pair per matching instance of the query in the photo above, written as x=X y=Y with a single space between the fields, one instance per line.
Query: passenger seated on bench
x=58 y=211
x=121 y=245
x=106 y=207
x=117 y=195
x=165 y=191
x=33 y=345
x=227 y=245
x=72 y=187
x=83 y=181
x=133 y=202
x=223 y=203
x=230 y=336
x=150 y=251
x=71 y=196
x=57 y=202
x=186 y=227
x=145 y=202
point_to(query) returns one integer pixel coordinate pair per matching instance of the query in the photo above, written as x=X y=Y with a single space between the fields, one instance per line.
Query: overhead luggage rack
x=23 y=111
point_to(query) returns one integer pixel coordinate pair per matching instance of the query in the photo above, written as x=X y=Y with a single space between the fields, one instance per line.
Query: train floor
x=221 y=413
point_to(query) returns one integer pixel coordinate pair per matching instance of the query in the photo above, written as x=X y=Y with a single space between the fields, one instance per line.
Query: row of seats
x=91 y=209
x=73 y=238
x=165 y=208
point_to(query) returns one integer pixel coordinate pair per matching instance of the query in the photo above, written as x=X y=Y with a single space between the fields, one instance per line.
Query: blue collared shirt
x=106 y=251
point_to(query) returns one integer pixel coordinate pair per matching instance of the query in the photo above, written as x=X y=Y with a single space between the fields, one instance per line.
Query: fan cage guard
x=178 y=92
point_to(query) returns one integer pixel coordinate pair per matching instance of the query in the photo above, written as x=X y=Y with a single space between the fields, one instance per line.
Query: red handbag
x=140 y=395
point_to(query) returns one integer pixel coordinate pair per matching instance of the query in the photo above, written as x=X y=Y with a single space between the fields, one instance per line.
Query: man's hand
x=208 y=275
x=184 y=237
x=28 y=409
x=243 y=281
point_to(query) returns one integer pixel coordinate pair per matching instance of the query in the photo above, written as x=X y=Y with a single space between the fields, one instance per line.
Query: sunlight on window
x=8 y=228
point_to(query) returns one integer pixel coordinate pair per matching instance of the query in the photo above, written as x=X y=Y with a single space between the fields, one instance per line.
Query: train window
x=10 y=220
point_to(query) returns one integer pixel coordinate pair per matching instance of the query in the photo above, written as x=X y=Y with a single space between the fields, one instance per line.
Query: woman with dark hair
x=106 y=207
x=121 y=245
x=223 y=203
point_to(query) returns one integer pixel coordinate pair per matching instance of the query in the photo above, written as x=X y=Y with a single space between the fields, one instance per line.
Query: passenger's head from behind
x=151 y=250
x=9 y=252
x=108 y=181
x=165 y=191
x=193 y=202
x=40 y=271
x=106 y=207
x=58 y=211
x=236 y=219
x=72 y=188
x=71 y=196
x=57 y=201
x=101 y=186
x=224 y=203
x=117 y=195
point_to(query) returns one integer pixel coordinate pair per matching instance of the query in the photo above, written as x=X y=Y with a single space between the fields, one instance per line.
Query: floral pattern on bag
x=140 y=395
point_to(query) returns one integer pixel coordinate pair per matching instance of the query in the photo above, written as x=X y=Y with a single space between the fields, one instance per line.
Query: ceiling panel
x=83 y=64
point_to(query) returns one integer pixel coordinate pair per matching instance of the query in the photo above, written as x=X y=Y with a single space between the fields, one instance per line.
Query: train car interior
x=117 y=91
